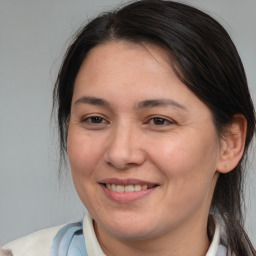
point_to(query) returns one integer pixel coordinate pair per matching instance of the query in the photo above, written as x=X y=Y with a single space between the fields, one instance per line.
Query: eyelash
x=162 y=121
x=96 y=119
x=159 y=122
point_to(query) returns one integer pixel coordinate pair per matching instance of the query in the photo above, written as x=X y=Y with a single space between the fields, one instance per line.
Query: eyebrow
x=92 y=101
x=160 y=103
x=141 y=105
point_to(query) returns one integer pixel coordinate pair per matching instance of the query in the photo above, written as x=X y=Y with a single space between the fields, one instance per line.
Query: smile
x=128 y=188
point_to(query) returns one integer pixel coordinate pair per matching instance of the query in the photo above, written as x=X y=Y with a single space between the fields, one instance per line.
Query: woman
x=155 y=115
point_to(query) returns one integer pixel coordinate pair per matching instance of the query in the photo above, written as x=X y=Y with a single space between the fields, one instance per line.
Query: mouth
x=128 y=188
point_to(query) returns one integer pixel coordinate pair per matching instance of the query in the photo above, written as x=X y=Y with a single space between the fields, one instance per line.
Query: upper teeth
x=128 y=188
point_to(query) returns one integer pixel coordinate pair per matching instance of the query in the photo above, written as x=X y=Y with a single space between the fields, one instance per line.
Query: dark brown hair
x=206 y=61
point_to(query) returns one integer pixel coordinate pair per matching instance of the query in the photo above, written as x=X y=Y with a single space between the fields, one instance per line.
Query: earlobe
x=232 y=146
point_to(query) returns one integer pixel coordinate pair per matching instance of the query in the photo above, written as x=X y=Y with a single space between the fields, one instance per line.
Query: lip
x=127 y=197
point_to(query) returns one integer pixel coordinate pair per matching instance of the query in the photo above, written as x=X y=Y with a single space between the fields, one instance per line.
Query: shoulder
x=37 y=243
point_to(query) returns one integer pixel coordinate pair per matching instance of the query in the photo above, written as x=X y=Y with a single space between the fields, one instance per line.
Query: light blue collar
x=69 y=241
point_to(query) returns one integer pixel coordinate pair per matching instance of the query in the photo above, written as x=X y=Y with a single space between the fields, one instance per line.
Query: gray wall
x=33 y=37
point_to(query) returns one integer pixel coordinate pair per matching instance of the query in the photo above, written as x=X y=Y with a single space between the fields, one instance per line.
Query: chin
x=132 y=234
x=131 y=230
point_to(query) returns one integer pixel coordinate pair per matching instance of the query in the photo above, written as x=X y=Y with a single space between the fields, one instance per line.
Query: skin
x=173 y=145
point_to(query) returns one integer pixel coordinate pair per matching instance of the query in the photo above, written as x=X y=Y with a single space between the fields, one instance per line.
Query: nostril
x=122 y=165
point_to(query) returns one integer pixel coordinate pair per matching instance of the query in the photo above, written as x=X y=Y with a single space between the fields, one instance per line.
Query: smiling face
x=142 y=147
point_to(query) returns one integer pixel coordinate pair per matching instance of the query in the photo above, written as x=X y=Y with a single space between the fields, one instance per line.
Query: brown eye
x=159 y=121
x=95 y=120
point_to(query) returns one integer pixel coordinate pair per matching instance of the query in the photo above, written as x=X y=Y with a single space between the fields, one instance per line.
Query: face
x=142 y=147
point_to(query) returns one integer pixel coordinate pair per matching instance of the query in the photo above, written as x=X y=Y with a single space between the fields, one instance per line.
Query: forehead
x=116 y=60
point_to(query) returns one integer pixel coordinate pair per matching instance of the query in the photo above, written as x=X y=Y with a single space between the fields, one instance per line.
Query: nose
x=125 y=148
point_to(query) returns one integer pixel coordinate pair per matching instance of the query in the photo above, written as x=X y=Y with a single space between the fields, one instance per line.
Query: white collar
x=212 y=251
x=93 y=247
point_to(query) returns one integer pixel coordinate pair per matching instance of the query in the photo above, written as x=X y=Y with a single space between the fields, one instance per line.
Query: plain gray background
x=33 y=37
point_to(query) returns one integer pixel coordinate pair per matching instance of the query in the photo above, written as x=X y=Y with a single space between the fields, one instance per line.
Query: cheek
x=188 y=163
x=181 y=155
x=83 y=153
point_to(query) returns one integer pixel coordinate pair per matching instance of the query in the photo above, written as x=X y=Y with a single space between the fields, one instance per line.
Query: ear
x=232 y=144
